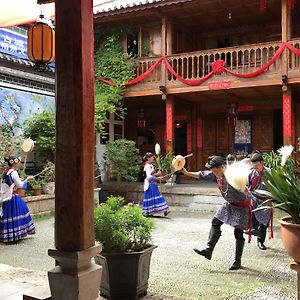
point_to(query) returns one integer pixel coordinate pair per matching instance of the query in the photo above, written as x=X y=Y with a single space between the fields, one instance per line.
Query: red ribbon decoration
x=186 y=81
x=218 y=67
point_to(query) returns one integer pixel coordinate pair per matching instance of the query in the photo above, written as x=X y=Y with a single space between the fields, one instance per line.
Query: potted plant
x=123 y=159
x=47 y=178
x=36 y=186
x=284 y=189
x=125 y=235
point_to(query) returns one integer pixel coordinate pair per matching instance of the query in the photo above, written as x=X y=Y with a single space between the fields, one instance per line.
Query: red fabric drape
x=186 y=81
x=217 y=68
x=262 y=69
x=147 y=73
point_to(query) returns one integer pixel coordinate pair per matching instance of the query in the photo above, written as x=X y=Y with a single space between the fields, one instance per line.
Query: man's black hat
x=214 y=161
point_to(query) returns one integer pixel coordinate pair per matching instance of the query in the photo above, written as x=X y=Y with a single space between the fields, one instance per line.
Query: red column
x=199 y=133
x=169 y=124
x=288 y=127
x=189 y=138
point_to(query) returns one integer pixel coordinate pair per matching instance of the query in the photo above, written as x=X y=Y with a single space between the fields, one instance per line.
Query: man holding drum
x=235 y=211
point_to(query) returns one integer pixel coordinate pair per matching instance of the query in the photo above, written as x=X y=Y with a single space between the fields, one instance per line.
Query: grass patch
x=43 y=216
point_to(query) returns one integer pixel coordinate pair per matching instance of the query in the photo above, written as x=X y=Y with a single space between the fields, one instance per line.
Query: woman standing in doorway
x=153 y=201
x=15 y=219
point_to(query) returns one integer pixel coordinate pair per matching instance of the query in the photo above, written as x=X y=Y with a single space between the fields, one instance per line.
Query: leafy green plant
x=35 y=183
x=111 y=63
x=9 y=143
x=272 y=159
x=123 y=158
x=165 y=162
x=284 y=189
x=41 y=128
x=122 y=228
x=49 y=174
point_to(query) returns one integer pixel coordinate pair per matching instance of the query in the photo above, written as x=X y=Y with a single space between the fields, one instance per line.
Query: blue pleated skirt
x=16 y=221
x=153 y=201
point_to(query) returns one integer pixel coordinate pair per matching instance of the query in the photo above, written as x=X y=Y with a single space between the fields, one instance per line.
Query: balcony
x=195 y=65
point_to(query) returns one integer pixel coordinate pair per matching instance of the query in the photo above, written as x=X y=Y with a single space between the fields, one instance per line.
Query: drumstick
x=24 y=166
x=40 y=172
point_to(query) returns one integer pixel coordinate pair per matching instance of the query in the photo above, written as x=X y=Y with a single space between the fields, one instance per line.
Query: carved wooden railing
x=294 y=60
x=195 y=65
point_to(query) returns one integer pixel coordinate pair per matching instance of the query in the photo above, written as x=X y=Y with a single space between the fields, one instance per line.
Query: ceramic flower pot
x=290 y=235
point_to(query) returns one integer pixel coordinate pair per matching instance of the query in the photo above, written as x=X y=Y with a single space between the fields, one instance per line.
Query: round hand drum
x=178 y=163
x=27 y=147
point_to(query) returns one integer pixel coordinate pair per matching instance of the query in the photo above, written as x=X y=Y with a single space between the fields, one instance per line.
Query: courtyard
x=176 y=271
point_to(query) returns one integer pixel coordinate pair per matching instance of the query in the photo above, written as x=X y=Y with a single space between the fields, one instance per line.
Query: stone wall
x=40 y=204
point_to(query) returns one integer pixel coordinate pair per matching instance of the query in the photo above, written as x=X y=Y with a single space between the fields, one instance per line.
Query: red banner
x=287 y=116
x=219 y=85
x=169 y=121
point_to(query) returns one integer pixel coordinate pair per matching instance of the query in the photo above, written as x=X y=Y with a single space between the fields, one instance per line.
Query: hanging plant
x=112 y=63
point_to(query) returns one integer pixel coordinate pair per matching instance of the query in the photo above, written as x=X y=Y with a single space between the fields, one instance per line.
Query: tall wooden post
x=163 y=49
x=75 y=275
x=288 y=124
x=169 y=124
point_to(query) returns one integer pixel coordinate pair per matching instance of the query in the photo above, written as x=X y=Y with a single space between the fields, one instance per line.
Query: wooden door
x=217 y=136
x=263 y=131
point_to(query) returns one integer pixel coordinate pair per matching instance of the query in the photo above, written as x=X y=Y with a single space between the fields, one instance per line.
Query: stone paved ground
x=177 y=273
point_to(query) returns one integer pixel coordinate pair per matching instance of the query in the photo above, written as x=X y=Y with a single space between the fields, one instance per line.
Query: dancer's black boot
x=239 y=247
x=213 y=238
x=261 y=237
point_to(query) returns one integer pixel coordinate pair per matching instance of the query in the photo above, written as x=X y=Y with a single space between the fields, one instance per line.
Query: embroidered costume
x=15 y=219
x=235 y=210
x=153 y=201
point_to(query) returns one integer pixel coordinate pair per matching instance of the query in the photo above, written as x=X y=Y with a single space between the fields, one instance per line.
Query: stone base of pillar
x=76 y=276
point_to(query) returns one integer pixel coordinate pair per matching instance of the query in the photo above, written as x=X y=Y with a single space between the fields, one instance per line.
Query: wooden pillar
x=169 y=124
x=163 y=49
x=75 y=275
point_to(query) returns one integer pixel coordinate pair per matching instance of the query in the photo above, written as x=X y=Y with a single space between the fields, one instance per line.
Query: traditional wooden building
x=214 y=77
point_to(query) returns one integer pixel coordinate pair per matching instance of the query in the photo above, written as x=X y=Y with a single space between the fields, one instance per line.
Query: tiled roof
x=20 y=61
x=101 y=6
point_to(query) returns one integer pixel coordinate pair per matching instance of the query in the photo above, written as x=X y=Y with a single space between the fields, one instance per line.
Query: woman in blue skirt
x=15 y=219
x=153 y=201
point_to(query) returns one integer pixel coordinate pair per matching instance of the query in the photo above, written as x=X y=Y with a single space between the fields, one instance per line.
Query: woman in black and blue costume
x=15 y=219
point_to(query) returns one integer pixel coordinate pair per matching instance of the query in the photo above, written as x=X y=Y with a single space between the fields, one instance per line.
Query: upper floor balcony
x=244 y=59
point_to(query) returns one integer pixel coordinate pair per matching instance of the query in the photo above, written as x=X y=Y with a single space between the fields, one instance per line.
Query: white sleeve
x=148 y=169
x=15 y=177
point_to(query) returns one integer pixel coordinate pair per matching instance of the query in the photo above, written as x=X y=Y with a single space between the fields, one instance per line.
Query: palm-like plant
x=283 y=186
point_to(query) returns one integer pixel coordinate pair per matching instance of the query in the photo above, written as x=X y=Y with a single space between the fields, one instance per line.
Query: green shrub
x=122 y=228
x=123 y=157
x=41 y=128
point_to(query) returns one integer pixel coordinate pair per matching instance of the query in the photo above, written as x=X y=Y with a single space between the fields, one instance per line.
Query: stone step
x=38 y=293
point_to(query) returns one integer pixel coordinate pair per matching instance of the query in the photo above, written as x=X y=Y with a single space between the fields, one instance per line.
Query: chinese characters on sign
x=219 y=85
x=13 y=43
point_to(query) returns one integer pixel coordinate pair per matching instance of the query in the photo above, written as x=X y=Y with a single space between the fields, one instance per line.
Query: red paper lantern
x=41 y=44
